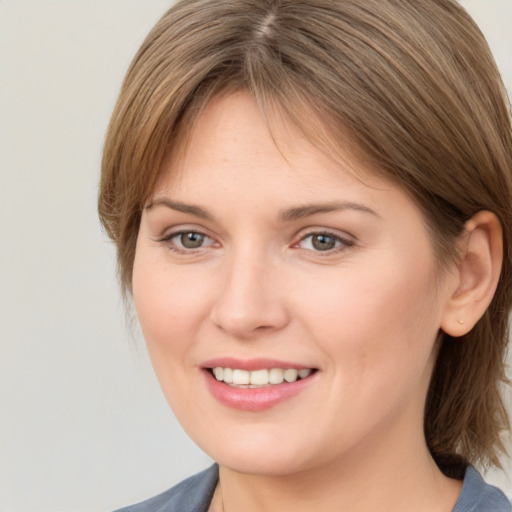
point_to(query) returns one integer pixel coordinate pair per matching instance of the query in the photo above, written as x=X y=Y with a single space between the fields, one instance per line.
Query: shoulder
x=193 y=495
x=477 y=496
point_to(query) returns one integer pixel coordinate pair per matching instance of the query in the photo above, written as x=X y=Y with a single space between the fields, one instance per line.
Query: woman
x=312 y=207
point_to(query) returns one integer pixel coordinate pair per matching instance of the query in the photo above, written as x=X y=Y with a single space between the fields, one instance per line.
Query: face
x=313 y=293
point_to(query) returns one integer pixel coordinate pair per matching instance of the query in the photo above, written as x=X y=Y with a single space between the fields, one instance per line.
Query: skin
x=366 y=314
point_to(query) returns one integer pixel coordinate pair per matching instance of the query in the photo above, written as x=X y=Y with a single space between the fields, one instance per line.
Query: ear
x=477 y=274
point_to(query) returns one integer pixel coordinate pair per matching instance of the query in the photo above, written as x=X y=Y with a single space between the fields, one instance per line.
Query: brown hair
x=414 y=85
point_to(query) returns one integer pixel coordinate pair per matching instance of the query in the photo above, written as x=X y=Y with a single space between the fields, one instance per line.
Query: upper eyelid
x=310 y=231
x=185 y=231
x=169 y=233
x=343 y=240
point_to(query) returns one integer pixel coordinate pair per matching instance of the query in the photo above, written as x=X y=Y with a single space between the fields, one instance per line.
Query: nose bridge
x=249 y=302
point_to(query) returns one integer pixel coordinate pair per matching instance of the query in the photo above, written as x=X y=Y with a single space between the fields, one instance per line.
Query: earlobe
x=478 y=274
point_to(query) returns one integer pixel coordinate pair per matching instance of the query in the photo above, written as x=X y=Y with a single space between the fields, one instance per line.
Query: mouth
x=256 y=384
x=261 y=378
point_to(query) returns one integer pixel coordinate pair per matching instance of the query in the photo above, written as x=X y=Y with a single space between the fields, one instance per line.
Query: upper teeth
x=264 y=377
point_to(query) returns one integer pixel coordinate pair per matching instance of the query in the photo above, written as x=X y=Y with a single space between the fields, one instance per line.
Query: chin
x=256 y=464
x=263 y=457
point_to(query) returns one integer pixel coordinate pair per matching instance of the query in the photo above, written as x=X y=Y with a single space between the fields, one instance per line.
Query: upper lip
x=252 y=364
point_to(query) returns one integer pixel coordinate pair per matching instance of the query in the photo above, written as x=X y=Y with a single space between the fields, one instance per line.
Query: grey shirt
x=195 y=494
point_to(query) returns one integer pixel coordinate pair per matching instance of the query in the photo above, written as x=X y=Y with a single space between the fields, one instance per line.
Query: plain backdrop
x=83 y=424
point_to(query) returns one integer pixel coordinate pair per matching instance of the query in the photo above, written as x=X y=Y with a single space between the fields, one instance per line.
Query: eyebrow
x=191 y=209
x=313 y=209
x=287 y=215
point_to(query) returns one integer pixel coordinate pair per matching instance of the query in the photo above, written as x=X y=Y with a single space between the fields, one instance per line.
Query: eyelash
x=341 y=244
x=167 y=240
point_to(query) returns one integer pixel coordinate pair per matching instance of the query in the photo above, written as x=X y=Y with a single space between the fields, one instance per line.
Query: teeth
x=259 y=377
x=241 y=377
x=291 y=375
x=228 y=375
x=256 y=378
x=276 y=376
x=302 y=373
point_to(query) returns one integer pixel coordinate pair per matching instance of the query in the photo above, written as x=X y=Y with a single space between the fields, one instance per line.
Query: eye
x=323 y=242
x=188 y=240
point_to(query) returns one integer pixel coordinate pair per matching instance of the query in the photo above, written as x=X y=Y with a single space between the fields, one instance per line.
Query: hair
x=415 y=87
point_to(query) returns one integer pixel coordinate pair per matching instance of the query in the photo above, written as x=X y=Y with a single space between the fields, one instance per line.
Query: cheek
x=379 y=323
x=171 y=312
x=170 y=306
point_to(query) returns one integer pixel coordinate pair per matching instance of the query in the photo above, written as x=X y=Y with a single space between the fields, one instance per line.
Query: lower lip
x=255 y=399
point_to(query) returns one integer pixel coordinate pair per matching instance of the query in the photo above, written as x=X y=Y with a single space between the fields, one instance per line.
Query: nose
x=250 y=302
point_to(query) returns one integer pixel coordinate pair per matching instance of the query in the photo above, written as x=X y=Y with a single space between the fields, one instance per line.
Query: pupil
x=192 y=240
x=323 y=242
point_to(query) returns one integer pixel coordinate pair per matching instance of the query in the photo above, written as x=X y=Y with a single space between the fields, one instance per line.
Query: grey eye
x=323 y=242
x=190 y=240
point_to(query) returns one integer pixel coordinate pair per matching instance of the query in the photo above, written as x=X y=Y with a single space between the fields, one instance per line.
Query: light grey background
x=83 y=424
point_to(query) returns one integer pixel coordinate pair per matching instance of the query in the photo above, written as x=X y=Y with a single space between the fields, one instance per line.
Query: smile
x=236 y=377
x=256 y=385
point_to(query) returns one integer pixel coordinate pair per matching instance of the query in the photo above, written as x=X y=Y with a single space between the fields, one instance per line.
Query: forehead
x=236 y=160
x=233 y=130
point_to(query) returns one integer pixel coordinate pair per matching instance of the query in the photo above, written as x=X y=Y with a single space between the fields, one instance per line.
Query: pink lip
x=253 y=399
